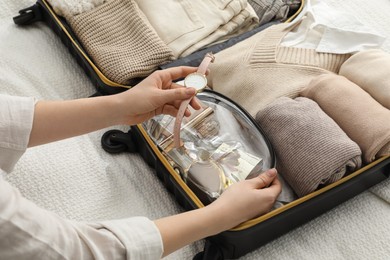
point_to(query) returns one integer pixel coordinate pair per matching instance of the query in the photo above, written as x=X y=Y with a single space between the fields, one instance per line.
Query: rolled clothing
x=311 y=149
x=121 y=42
x=364 y=120
x=370 y=71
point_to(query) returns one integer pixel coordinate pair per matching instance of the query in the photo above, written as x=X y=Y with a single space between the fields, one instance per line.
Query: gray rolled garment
x=311 y=149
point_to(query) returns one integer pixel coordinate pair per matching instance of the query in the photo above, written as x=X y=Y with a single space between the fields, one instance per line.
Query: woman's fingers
x=265 y=178
x=195 y=103
x=171 y=74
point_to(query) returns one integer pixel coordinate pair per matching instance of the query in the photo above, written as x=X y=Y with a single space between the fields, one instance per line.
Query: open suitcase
x=252 y=234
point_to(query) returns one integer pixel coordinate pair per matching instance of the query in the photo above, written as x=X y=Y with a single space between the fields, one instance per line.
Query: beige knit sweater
x=121 y=42
x=258 y=70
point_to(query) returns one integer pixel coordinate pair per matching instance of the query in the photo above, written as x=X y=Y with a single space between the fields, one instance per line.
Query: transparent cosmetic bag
x=220 y=145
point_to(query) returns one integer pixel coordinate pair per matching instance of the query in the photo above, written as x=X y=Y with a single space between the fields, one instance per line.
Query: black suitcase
x=250 y=235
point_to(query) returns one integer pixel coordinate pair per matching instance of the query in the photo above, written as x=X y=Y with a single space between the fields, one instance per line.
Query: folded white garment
x=187 y=26
x=68 y=8
x=330 y=31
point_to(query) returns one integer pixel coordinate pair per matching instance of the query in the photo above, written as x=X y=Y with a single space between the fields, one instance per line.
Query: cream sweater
x=258 y=70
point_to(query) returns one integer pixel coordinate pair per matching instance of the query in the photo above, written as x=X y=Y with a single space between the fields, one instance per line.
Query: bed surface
x=78 y=180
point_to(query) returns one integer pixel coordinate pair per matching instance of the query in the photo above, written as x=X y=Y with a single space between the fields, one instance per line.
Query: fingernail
x=271 y=172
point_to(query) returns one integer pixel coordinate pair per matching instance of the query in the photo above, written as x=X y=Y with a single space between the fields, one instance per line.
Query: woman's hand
x=248 y=199
x=240 y=202
x=155 y=95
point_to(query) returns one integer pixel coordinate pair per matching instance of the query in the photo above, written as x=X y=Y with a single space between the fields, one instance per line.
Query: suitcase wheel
x=116 y=141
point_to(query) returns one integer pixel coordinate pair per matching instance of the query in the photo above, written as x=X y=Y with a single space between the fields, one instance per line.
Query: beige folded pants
x=187 y=26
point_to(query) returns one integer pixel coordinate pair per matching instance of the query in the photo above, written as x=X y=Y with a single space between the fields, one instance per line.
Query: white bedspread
x=78 y=180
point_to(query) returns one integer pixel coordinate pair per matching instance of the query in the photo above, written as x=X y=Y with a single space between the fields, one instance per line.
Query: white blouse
x=30 y=232
x=324 y=29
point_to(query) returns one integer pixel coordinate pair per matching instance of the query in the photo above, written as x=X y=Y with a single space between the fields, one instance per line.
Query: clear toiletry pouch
x=221 y=144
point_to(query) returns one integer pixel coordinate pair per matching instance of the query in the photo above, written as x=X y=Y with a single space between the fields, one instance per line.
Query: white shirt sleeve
x=30 y=232
x=16 y=117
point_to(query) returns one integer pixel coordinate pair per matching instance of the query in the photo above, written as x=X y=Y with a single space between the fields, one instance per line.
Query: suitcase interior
x=248 y=236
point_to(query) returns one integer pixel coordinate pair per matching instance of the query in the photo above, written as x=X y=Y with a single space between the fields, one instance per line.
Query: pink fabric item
x=364 y=120
x=370 y=71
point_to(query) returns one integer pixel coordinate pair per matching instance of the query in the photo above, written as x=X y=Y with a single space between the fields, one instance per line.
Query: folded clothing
x=364 y=120
x=68 y=8
x=315 y=28
x=188 y=26
x=268 y=10
x=311 y=149
x=256 y=71
x=120 y=40
x=370 y=71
